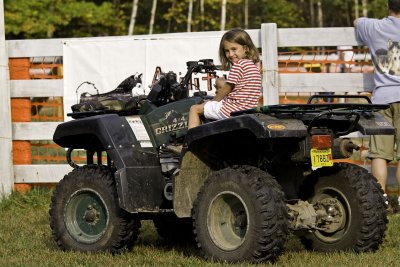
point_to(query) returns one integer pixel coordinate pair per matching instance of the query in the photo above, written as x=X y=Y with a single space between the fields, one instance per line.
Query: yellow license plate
x=321 y=157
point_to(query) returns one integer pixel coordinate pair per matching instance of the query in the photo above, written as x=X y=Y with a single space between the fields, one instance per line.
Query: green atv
x=238 y=186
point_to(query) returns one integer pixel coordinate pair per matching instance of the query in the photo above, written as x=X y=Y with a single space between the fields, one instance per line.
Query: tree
x=312 y=16
x=202 y=14
x=58 y=18
x=79 y=18
x=364 y=8
x=133 y=17
x=246 y=14
x=152 y=16
x=320 y=14
x=223 y=15
x=284 y=13
x=189 y=17
x=356 y=9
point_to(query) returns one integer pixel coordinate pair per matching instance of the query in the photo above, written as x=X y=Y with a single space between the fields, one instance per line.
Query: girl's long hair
x=238 y=36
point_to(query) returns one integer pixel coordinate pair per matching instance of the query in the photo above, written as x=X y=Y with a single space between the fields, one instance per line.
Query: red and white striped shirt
x=246 y=77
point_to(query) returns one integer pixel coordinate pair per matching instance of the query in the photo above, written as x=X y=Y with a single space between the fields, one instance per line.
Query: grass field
x=25 y=240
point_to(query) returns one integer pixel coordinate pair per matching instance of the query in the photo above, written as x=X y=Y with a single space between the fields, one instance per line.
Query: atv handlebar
x=202 y=66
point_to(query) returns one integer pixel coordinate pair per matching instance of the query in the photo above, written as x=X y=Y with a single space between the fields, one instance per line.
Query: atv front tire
x=85 y=215
x=240 y=215
x=357 y=207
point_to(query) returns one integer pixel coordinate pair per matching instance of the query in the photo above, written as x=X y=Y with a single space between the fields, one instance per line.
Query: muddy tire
x=358 y=208
x=240 y=215
x=85 y=215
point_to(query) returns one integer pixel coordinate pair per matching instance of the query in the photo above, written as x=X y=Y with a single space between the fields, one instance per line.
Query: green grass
x=25 y=240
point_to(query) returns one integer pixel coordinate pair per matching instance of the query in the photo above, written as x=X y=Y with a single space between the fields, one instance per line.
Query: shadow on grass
x=185 y=246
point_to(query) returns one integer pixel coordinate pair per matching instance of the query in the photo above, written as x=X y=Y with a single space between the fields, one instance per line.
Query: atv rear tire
x=359 y=208
x=240 y=215
x=85 y=215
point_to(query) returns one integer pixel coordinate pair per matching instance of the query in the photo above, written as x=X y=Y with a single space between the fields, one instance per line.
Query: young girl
x=242 y=89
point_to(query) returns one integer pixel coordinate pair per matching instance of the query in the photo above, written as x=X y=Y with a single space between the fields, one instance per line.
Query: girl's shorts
x=212 y=110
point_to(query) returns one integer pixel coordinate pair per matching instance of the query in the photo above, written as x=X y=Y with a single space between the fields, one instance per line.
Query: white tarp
x=106 y=62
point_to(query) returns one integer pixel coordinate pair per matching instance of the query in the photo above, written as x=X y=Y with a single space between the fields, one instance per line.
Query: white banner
x=106 y=62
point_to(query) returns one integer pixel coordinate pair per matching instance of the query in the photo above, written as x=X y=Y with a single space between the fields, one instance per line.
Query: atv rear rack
x=337 y=108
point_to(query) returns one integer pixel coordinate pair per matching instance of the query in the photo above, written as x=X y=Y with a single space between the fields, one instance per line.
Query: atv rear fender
x=249 y=136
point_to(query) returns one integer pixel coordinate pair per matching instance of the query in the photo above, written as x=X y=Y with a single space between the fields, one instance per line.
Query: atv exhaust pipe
x=343 y=148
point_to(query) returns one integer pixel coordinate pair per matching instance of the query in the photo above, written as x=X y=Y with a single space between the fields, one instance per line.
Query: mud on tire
x=85 y=216
x=240 y=215
x=361 y=206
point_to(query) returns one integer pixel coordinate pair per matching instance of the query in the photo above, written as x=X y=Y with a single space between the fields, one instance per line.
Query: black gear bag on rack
x=119 y=100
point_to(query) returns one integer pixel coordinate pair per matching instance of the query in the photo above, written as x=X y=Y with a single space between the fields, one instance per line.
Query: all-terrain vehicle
x=238 y=186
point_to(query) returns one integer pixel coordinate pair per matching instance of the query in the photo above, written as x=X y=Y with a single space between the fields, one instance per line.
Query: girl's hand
x=224 y=91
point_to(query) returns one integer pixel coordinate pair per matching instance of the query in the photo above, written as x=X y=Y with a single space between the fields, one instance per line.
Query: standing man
x=382 y=36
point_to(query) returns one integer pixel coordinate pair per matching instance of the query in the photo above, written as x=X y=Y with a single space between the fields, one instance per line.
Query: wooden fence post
x=6 y=166
x=269 y=41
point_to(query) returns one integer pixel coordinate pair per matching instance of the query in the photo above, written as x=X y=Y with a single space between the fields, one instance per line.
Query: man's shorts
x=383 y=146
x=212 y=110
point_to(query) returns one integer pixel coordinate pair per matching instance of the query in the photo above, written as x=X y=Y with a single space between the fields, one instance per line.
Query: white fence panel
x=305 y=37
x=40 y=173
x=276 y=83
x=35 y=48
x=6 y=170
x=34 y=130
x=325 y=82
x=36 y=88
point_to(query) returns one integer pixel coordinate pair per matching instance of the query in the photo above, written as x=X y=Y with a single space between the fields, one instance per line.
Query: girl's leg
x=194 y=115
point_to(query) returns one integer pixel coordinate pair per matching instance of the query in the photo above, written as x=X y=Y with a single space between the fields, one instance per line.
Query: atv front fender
x=94 y=133
x=138 y=172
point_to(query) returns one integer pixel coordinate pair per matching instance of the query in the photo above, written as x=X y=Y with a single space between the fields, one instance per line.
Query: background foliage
x=79 y=18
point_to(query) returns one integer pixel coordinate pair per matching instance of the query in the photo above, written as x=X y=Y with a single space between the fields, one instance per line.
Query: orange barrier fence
x=35 y=109
x=47 y=109
x=332 y=61
x=46 y=68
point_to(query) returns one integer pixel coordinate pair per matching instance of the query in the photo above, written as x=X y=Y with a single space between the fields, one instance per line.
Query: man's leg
x=398 y=177
x=379 y=170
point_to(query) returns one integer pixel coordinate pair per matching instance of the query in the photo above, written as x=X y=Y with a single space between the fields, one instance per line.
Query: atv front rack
x=84 y=114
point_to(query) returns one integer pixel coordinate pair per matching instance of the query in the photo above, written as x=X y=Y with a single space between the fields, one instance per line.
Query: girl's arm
x=224 y=91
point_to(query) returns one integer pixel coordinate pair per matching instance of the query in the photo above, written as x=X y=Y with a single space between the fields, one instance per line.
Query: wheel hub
x=240 y=220
x=91 y=215
x=86 y=216
x=334 y=216
x=227 y=221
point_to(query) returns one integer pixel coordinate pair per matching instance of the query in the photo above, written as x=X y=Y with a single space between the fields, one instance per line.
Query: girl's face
x=234 y=51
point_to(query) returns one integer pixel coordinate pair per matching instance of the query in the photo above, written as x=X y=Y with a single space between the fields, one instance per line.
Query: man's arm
x=355 y=22
x=359 y=30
